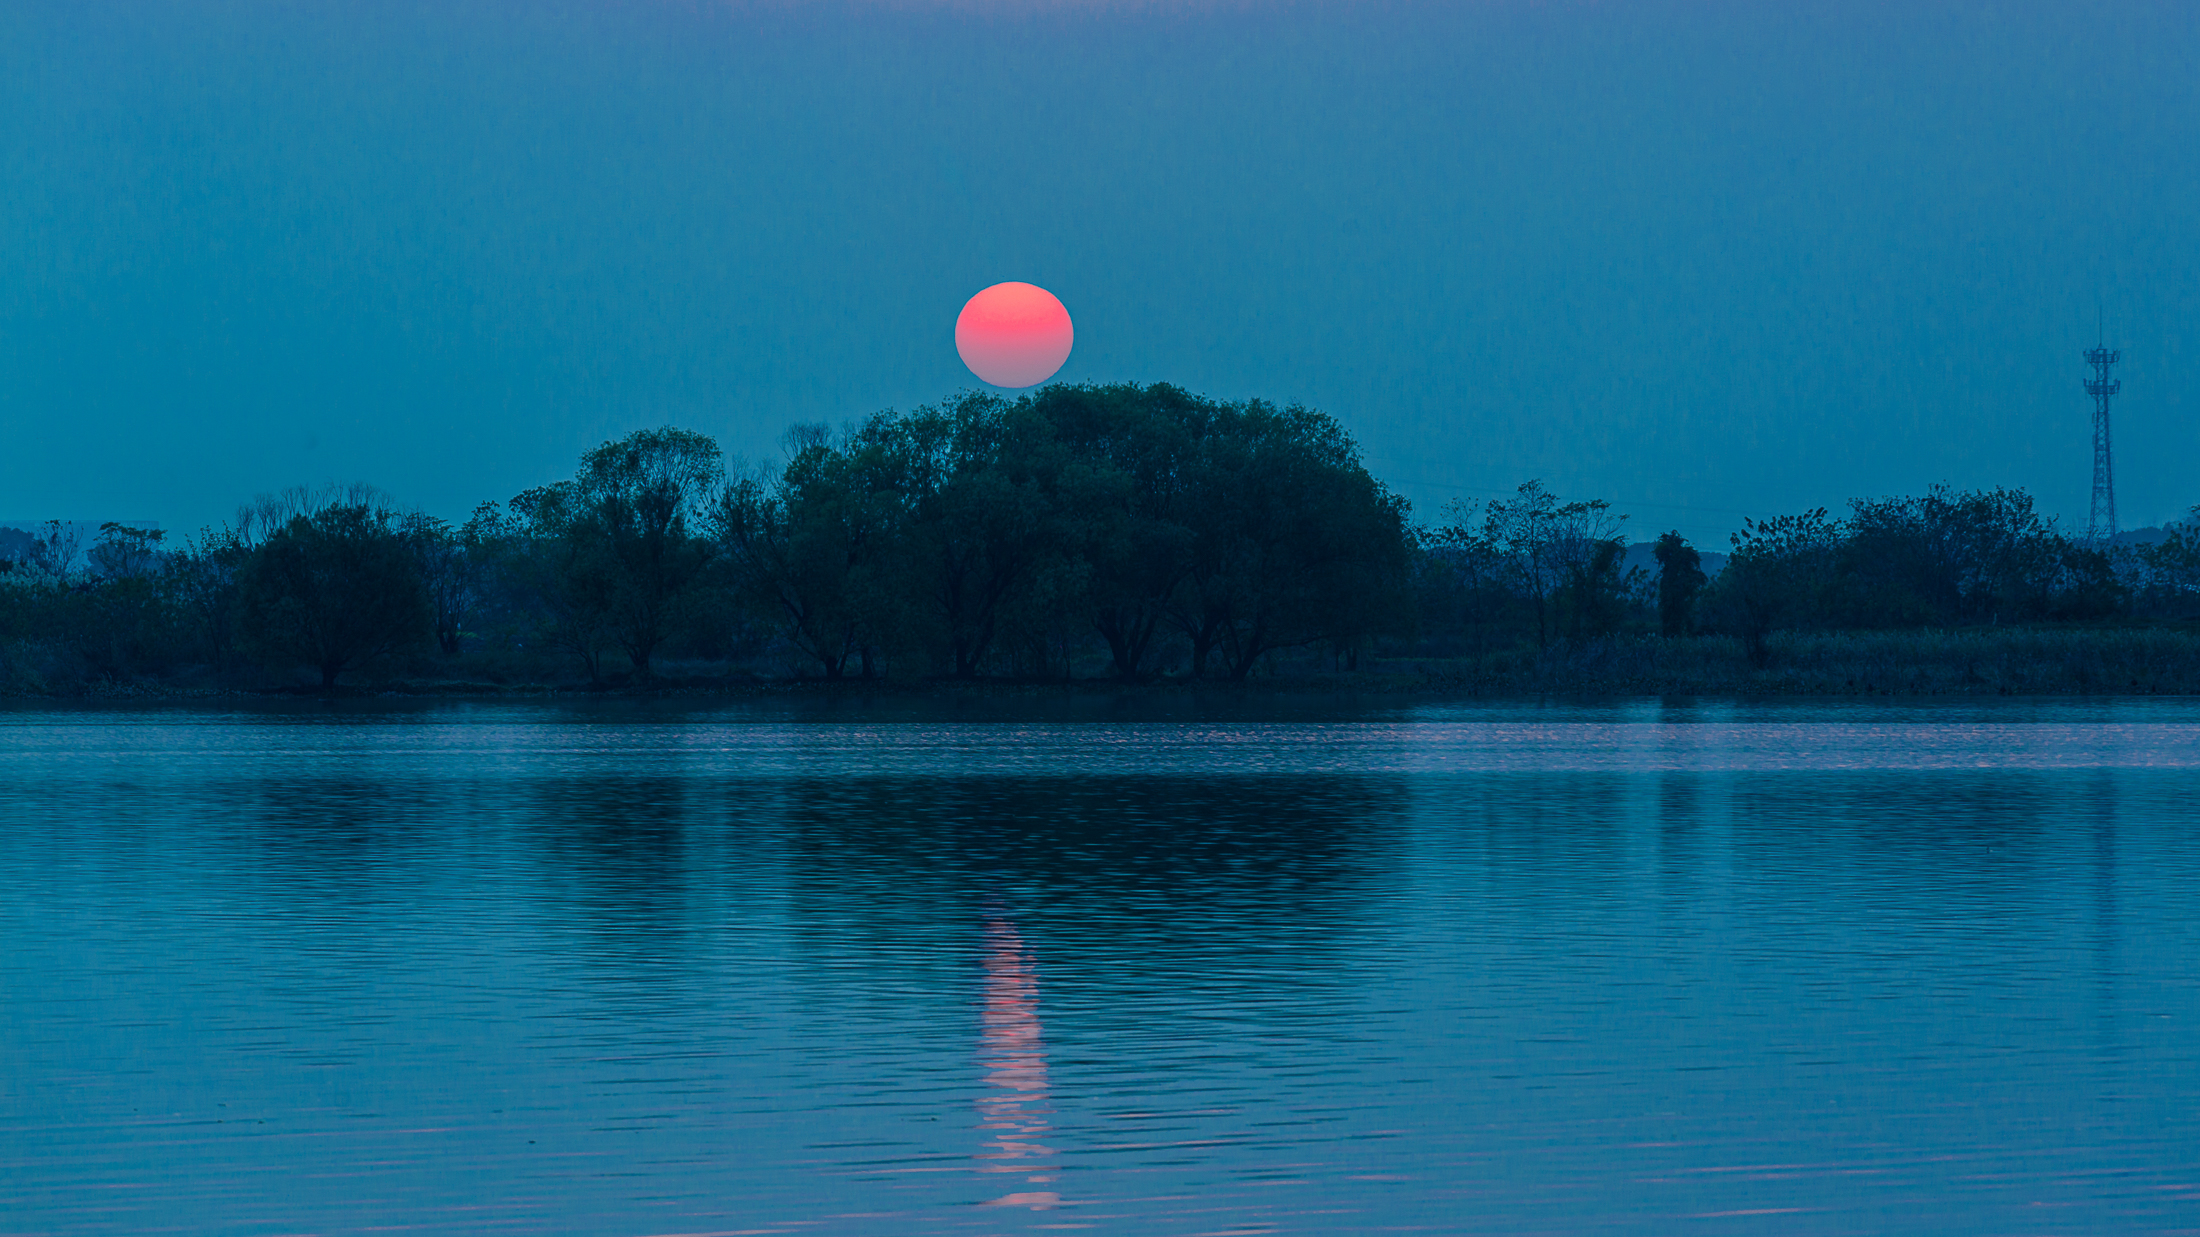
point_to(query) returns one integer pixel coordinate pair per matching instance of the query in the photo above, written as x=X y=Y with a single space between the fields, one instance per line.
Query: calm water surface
x=1640 y=968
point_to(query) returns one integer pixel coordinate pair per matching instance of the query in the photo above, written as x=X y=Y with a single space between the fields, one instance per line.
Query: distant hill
x=18 y=537
x=2142 y=536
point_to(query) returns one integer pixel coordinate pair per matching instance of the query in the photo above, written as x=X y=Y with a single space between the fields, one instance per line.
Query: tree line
x=1532 y=566
x=1123 y=531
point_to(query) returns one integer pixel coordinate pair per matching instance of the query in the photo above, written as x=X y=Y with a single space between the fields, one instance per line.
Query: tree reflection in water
x=1014 y=1107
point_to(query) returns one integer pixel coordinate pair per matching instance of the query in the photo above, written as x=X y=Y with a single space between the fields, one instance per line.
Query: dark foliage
x=334 y=588
x=613 y=555
x=989 y=533
x=1942 y=560
x=1123 y=531
x=1680 y=578
x=1533 y=566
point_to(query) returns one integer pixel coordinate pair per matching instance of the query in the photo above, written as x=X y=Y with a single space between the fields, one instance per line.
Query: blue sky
x=1706 y=260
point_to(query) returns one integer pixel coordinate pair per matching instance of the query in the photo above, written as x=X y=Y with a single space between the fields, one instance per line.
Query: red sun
x=1014 y=335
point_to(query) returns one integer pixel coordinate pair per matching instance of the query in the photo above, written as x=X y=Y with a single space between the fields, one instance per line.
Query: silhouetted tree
x=1593 y=597
x=1137 y=503
x=334 y=588
x=1780 y=575
x=1465 y=579
x=269 y=513
x=645 y=495
x=1680 y=578
x=987 y=529
x=1548 y=547
x=126 y=553
x=554 y=575
x=614 y=553
x=1946 y=559
x=450 y=569
x=1294 y=543
x=2090 y=586
x=16 y=548
x=203 y=581
x=55 y=549
x=986 y=477
x=819 y=545
x=2172 y=569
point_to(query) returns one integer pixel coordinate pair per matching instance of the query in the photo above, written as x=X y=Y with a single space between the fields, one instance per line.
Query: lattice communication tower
x=2101 y=528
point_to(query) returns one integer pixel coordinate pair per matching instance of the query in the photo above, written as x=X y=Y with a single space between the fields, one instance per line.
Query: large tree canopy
x=333 y=588
x=1121 y=510
x=614 y=552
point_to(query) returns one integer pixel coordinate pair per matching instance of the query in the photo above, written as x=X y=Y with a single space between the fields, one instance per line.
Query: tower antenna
x=2100 y=529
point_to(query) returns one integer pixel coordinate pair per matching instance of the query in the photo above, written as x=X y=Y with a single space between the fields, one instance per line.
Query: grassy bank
x=1979 y=662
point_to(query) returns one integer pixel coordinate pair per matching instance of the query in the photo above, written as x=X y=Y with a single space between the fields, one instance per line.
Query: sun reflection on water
x=1013 y=1111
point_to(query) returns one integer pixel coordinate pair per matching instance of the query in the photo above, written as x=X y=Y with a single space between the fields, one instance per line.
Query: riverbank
x=1981 y=662
x=1978 y=662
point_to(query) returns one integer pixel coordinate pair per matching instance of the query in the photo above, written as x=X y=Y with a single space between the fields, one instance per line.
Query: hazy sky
x=1704 y=259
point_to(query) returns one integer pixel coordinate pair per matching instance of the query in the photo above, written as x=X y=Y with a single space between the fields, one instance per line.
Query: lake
x=1207 y=968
